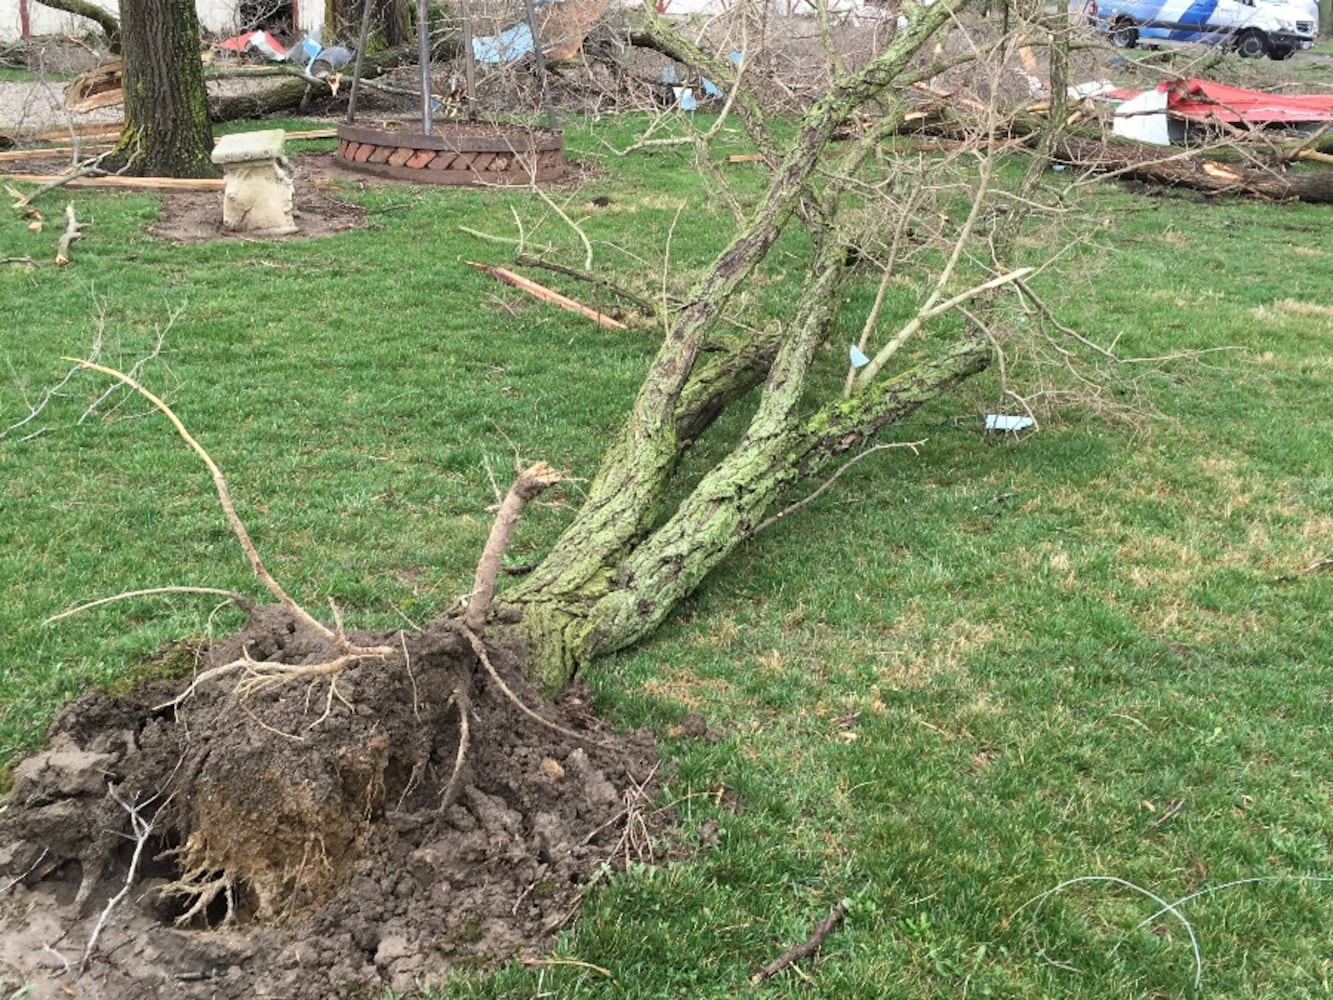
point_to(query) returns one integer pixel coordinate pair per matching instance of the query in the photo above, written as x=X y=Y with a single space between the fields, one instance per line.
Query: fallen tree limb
x=806 y=948
x=545 y=294
x=104 y=19
x=73 y=231
x=296 y=92
x=1199 y=173
x=643 y=305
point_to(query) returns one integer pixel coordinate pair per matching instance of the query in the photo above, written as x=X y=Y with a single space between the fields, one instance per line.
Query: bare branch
x=224 y=496
x=531 y=483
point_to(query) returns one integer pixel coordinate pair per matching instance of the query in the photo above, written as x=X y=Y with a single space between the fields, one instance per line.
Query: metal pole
x=423 y=54
x=360 y=55
x=541 y=66
x=469 y=59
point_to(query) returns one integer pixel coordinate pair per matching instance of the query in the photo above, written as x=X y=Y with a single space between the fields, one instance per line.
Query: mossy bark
x=624 y=561
x=167 y=132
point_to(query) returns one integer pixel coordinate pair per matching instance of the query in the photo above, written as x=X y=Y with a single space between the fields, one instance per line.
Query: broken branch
x=73 y=231
x=531 y=483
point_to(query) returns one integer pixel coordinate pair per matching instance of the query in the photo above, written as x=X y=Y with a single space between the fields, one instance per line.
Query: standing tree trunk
x=391 y=21
x=167 y=131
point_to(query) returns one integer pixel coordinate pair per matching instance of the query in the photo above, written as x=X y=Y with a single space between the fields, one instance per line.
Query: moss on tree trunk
x=624 y=561
x=167 y=131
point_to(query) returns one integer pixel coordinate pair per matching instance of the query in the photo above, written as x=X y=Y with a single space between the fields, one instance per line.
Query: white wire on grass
x=1218 y=888
x=1165 y=908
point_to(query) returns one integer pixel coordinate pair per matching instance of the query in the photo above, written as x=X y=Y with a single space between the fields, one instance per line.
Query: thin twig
x=1314 y=567
x=527 y=260
x=240 y=600
x=31 y=868
x=142 y=829
x=51 y=392
x=806 y=948
x=224 y=497
x=532 y=963
x=138 y=365
x=578 y=230
x=883 y=446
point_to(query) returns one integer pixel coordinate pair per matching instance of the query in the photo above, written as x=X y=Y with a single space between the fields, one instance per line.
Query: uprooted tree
x=306 y=748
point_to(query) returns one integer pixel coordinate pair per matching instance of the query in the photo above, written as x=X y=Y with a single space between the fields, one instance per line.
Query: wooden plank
x=9 y=156
x=124 y=183
x=545 y=294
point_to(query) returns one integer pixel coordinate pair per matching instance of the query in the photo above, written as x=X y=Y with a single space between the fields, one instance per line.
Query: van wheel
x=1251 y=45
x=1124 y=35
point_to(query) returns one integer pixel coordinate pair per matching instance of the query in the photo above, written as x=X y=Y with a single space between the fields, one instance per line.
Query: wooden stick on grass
x=806 y=948
x=545 y=294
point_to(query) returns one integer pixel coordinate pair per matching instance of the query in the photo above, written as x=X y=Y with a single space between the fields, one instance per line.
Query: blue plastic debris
x=685 y=98
x=710 y=88
x=510 y=44
x=1008 y=422
x=858 y=358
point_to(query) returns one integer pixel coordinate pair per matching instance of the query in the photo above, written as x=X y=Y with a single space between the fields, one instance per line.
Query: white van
x=1253 y=28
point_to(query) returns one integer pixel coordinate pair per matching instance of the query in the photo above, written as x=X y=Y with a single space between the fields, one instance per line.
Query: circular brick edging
x=455 y=153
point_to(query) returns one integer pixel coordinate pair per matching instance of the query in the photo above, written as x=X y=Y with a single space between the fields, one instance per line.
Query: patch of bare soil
x=196 y=216
x=308 y=833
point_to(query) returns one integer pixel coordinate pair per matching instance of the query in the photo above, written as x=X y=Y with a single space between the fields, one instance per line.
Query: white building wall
x=215 y=16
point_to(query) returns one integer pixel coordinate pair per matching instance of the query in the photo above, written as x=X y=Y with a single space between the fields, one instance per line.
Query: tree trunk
x=167 y=131
x=624 y=562
x=391 y=21
x=104 y=18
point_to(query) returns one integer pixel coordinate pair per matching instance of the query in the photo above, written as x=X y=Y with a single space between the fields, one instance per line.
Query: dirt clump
x=293 y=829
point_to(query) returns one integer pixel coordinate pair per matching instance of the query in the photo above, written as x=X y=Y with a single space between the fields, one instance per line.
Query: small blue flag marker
x=859 y=360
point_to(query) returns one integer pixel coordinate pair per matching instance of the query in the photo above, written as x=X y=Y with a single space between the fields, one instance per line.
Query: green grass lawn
x=954 y=682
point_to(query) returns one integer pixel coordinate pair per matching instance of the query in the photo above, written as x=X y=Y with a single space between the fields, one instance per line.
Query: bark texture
x=625 y=560
x=167 y=131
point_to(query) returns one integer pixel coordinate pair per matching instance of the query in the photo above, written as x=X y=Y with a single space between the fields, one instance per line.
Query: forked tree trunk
x=167 y=131
x=624 y=562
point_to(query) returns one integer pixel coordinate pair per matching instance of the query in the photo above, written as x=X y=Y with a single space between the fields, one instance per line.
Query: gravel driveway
x=30 y=107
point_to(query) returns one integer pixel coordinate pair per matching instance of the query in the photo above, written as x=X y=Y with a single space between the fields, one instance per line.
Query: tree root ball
x=283 y=829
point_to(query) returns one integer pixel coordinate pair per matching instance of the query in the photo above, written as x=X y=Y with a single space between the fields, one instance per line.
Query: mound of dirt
x=296 y=823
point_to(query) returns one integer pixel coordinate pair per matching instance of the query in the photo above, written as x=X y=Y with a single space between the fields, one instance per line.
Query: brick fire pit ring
x=461 y=153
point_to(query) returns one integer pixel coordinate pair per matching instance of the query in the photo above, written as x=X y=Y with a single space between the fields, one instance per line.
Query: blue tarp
x=508 y=45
